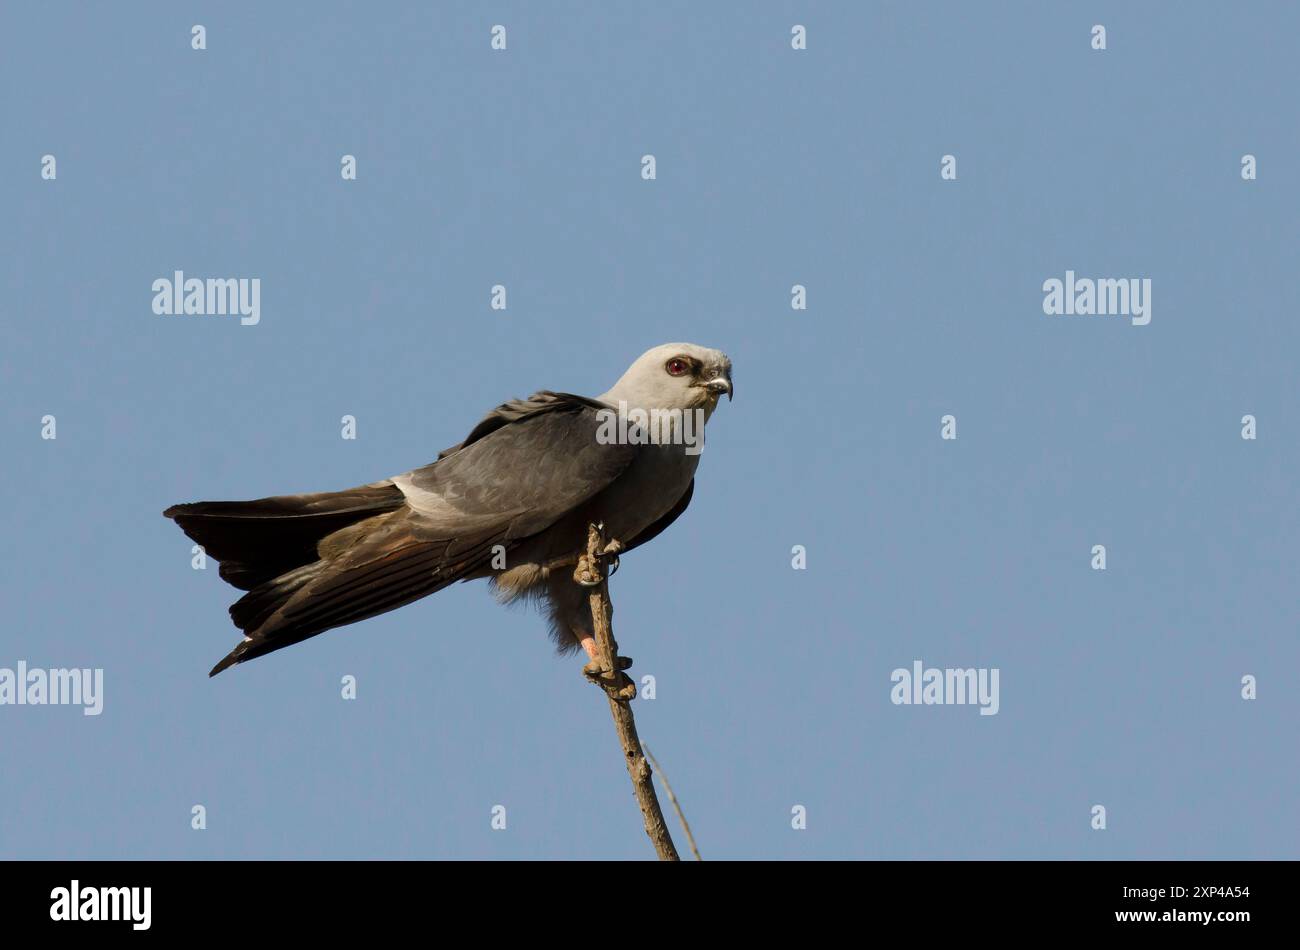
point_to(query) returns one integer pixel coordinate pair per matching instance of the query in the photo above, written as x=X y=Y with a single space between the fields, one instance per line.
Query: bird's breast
x=647 y=490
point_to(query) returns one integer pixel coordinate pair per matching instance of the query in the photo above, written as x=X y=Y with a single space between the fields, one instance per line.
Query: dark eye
x=677 y=366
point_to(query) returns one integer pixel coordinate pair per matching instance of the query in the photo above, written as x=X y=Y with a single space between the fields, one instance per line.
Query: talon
x=619 y=685
x=610 y=556
x=593 y=670
x=583 y=573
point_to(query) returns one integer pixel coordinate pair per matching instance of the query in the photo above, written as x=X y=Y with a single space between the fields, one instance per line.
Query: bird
x=511 y=503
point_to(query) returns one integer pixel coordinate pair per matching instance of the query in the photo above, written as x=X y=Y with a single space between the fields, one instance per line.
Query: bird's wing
x=523 y=468
x=516 y=409
x=502 y=485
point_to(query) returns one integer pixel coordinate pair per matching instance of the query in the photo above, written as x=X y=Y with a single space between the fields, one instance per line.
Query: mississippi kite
x=511 y=503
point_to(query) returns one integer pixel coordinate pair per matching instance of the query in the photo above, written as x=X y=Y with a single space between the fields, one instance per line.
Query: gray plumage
x=523 y=486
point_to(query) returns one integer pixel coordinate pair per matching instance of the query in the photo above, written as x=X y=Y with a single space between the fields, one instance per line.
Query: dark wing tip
x=229 y=660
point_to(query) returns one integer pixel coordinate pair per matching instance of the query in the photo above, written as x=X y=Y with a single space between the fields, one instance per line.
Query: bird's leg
x=585 y=576
x=594 y=566
x=595 y=669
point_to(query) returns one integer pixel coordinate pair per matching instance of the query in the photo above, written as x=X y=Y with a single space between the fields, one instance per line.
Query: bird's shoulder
x=540 y=403
x=544 y=451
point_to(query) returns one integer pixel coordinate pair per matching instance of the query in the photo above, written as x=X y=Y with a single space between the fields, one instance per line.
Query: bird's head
x=674 y=376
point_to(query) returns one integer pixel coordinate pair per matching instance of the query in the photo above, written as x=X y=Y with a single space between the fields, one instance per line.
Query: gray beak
x=719 y=385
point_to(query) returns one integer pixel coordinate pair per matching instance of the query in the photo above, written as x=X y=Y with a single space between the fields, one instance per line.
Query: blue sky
x=775 y=167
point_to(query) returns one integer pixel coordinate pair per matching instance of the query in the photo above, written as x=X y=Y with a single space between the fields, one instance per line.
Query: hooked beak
x=719 y=385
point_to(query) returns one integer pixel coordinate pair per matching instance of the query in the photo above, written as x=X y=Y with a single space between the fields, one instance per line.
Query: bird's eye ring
x=677 y=366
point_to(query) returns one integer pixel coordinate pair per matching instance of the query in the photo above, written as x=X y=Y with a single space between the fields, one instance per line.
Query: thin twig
x=620 y=691
x=663 y=777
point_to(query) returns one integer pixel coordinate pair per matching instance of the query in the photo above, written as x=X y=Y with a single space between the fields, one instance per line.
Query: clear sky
x=775 y=167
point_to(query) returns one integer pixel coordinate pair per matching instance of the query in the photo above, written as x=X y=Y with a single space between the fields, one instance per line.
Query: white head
x=674 y=376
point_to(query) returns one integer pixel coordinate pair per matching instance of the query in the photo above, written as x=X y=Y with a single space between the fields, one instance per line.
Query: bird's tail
x=258 y=541
x=271 y=547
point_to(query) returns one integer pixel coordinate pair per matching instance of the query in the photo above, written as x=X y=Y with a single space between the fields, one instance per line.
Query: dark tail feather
x=382 y=573
x=256 y=607
x=270 y=546
x=258 y=541
x=314 y=562
x=229 y=660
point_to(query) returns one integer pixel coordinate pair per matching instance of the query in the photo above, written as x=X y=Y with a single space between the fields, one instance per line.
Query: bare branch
x=619 y=689
x=663 y=777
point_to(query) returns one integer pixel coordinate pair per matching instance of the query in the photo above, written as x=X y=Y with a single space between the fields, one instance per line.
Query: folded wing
x=524 y=467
